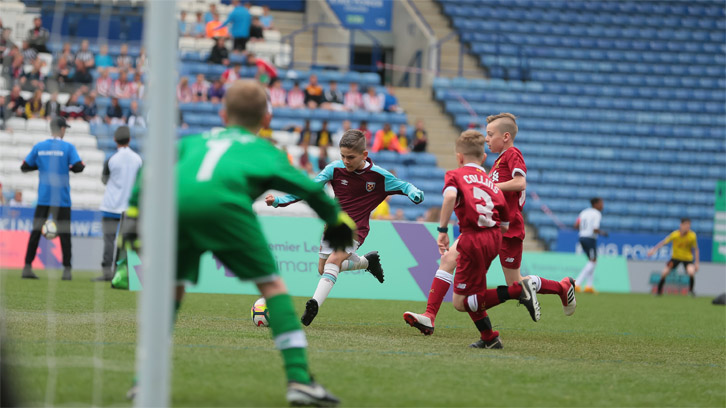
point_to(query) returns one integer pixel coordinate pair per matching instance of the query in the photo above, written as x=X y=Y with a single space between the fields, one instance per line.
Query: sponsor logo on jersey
x=461 y=286
x=495 y=176
x=370 y=186
x=344 y=182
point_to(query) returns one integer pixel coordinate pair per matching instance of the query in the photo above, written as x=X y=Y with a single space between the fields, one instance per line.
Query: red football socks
x=484 y=325
x=439 y=287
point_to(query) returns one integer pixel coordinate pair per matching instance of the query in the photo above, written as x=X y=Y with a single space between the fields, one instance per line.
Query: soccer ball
x=260 y=315
x=49 y=230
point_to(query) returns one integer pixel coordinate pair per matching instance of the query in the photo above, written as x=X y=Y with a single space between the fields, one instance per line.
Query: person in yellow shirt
x=685 y=251
x=383 y=211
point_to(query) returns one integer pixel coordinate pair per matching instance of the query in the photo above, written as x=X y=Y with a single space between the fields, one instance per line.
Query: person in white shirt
x=588 y=223
x=17 y=200
x=373 y=102
x=119 y=176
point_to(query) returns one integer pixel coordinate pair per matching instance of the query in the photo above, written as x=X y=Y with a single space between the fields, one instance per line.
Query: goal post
x=158 y=208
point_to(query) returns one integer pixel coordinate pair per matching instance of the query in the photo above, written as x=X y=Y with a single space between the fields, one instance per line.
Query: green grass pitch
x=617 y=350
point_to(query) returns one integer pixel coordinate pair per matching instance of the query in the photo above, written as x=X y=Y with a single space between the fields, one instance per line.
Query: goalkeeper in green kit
x=219 y=174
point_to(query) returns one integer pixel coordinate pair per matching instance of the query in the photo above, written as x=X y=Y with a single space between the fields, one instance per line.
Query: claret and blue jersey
x=360 y=192
x=54 y=158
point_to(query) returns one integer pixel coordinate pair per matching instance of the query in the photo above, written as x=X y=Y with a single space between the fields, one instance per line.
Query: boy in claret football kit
x=359 y=186
x=483 y=216
x=509 y=173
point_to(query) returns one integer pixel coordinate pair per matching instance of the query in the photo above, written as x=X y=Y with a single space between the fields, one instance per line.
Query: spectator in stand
x=38 y=36
x=135 y=118
x=264 y=68
x=52 y=107
x=16 y=69
x=184 y=28
x=124 y=62
x=199 y=89
x=63 y=73
x=341 y=131
x=82 y=76
x=372 y=101
x=16 y=103
x=104 y=83
x=353 y=99
x=304 y=161
x=114 y=113
x=219 y=54
x=137 y=86
x=363 y=127
x=4 y=115
x=6 y=42
x=333 y=98
x=29 y=53
x=256 y=29
x=122 y=87
x=184 y=91
x=278 y=96
x=403 y=137
x=322 y=160
x=386 y=139
x=266 y=18
x=216 y=91
x=306 y=135
x=232 y=74
x=66 y=52
x=17 y=200
x=73 y=110
x=213 y=29
x=324 y=138
x=34 y=107
x=103 y=60
x=199 y=29
x=140 y=62
x=383 y=211
x=296 y=97
x=34 y=79
x=390 y=102
x=420 y=138
x=313 y=93
x=240 y=18
x=209 y=15
x=90 y=109
x=85 y=56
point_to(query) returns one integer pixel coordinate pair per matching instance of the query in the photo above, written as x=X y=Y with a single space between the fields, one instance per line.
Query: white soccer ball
x=260 y=314
x=49 y=230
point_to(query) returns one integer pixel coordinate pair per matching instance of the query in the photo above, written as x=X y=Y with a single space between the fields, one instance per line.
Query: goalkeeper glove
x=341 y=234
x=417 y=196
x=130 y=231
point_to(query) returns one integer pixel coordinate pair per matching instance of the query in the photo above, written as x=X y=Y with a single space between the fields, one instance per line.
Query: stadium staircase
x=288 y=22
x=624 y=100
x=450 y=49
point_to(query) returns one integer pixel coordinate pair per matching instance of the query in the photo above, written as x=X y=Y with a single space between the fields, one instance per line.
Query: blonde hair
x=471 y=144
x=507 y=125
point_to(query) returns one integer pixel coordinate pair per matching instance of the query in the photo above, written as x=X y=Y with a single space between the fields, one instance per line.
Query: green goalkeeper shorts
x=232 y=233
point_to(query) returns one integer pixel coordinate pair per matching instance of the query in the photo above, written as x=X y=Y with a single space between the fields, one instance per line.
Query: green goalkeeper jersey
x=232 y=167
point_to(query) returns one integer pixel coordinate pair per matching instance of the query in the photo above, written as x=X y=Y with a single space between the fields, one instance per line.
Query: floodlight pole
x=158 y=208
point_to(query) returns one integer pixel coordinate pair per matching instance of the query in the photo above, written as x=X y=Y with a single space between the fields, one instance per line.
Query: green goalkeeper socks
x=289 y=337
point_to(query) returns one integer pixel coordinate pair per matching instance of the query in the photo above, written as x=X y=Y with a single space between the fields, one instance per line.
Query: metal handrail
x=377 y=46
x=415 y=62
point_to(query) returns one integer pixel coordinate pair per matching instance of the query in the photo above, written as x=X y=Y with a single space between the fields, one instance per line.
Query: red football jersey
x=479 y=202
x=509 y=163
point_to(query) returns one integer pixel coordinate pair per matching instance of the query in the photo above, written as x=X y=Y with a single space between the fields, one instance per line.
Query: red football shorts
x=476 y=250
x=510 y=255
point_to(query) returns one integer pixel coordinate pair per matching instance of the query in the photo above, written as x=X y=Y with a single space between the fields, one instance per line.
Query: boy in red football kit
x=509 y=174
x=359 y=186
x=482 y=211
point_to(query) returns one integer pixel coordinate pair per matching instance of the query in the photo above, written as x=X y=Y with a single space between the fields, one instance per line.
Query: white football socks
x=537 y=282
x=326 y=282
x=354 y=262
x=587 y=273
